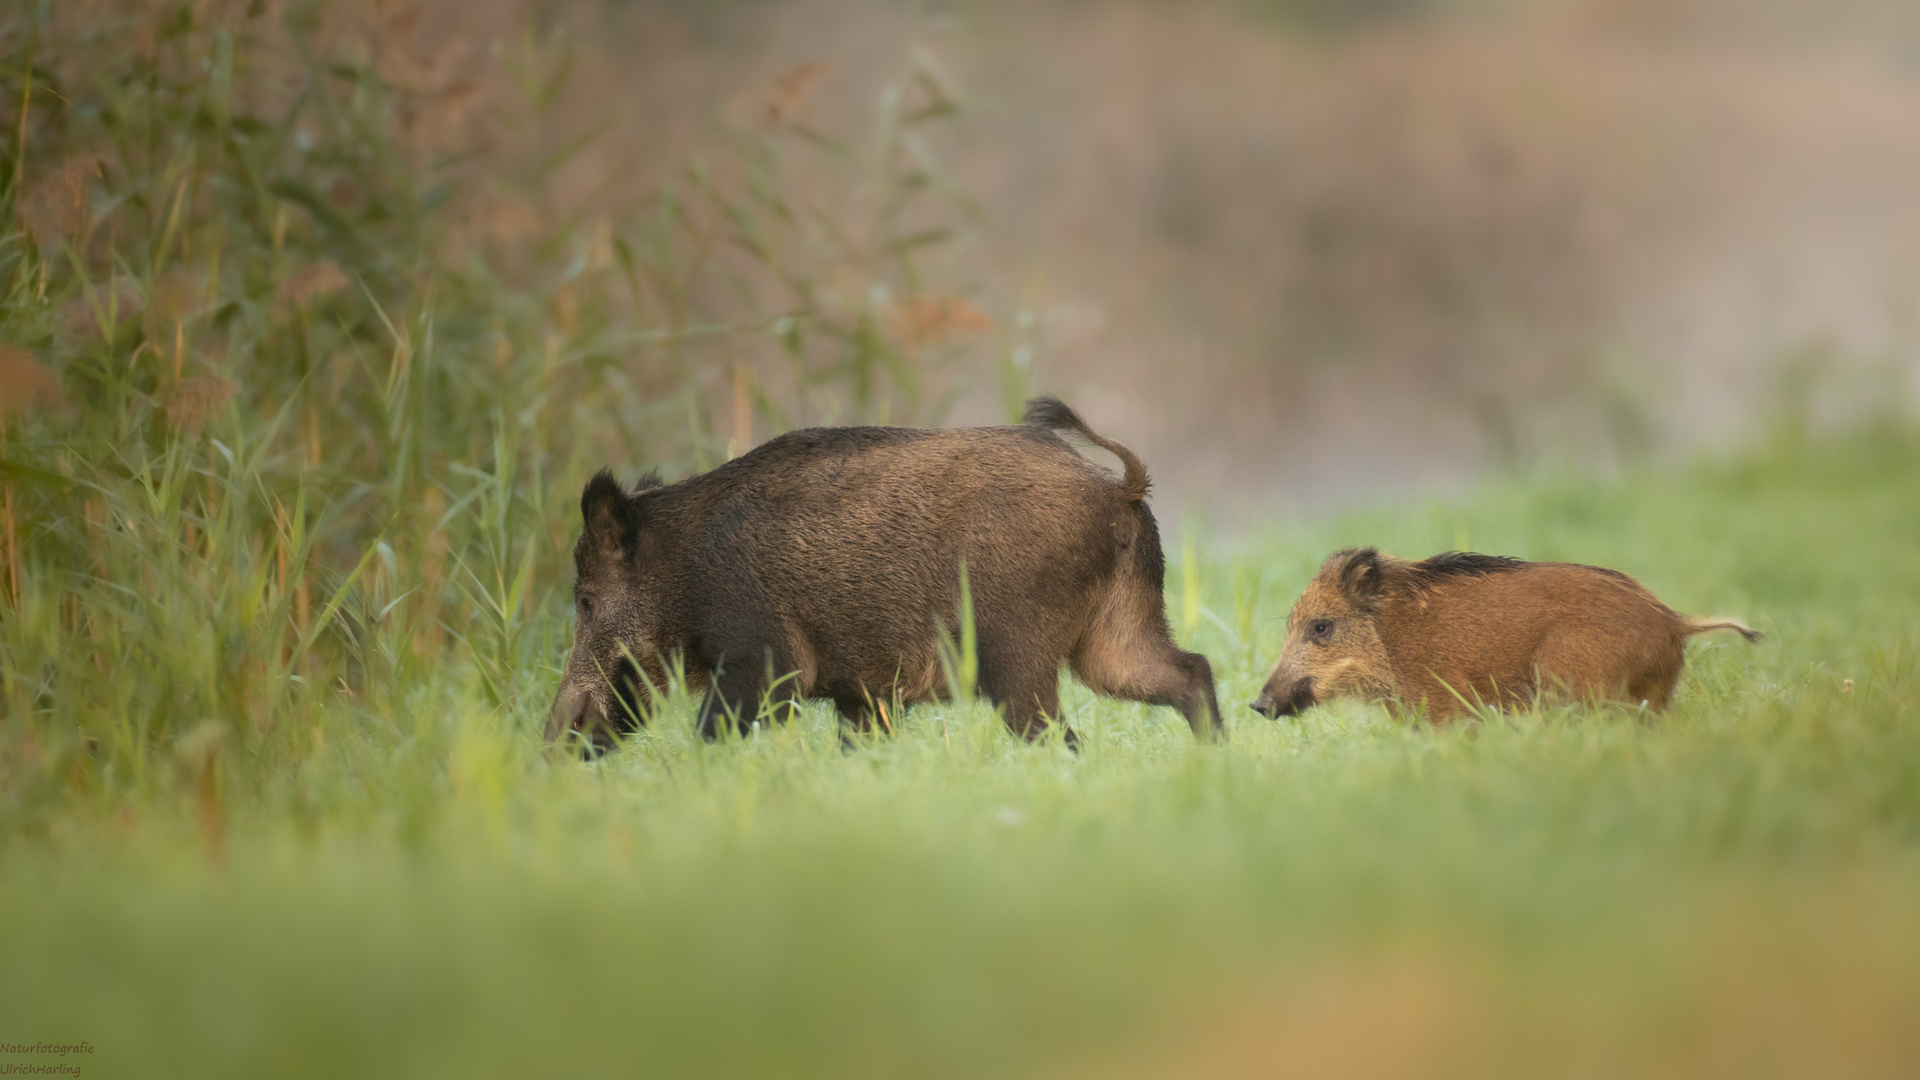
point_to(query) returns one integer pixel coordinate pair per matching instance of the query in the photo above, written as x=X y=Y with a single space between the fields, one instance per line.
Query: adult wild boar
x=825 y=564
x=1460 y=628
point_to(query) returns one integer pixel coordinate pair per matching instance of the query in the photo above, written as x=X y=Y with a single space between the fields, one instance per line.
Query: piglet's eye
x=1321 y=627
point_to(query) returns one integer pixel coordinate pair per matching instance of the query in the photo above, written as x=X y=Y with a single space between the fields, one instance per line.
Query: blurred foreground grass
x=293 y=399
x=1727 y=890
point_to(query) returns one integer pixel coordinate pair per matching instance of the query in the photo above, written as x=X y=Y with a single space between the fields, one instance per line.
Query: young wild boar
x=1461 y=628
x=825 y=564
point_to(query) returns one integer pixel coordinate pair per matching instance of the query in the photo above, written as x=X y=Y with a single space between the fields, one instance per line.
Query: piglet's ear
x=612 y=521
x=1362 y=573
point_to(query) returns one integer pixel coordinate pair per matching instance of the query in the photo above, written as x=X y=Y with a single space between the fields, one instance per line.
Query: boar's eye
x=586 y=607
x=1320 y=628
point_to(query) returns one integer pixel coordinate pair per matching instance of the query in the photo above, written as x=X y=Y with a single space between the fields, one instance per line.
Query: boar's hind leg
x=1149 y=667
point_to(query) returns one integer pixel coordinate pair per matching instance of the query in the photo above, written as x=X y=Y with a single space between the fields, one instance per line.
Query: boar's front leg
x=857 y=713
x=742 y=674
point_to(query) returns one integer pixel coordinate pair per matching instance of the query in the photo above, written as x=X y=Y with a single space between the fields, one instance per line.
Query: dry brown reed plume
x=189 y=405
x=791 y=97
x=24 y=382
x=174 y=298
x=55 y=207
x=116 y=301
x=930 y=320
x=319 y=278
x=430 y=74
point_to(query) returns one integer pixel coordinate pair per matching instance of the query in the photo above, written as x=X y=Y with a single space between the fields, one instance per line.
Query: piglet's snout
x=1264 y=705
x=1276 y=701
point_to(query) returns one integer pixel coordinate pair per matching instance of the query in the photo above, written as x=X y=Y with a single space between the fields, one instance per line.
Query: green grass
x=282 y=581
x=425 y=893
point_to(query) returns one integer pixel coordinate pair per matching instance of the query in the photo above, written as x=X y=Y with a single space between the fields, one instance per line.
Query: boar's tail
x=1696 y=626
x=1052 y=413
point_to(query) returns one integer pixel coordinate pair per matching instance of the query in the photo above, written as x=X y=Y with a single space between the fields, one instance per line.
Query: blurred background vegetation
x=314 y=317
x=1312 y=253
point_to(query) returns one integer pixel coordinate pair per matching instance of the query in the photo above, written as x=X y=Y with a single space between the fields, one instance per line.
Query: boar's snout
x=569 y=712
x=1275 y=702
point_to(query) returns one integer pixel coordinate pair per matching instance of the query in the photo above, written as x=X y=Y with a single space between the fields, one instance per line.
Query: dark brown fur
x=1459 y=630
x=824 y=564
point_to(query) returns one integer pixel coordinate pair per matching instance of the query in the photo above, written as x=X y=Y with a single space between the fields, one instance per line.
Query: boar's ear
x=1361 y=577
x=612 y=521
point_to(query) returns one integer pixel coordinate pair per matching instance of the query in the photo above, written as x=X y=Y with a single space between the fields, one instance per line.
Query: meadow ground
x=300 y=367
x=1727 y=890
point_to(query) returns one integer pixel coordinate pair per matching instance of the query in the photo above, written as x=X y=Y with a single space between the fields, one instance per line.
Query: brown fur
x=824 y=564
x=1460 y=630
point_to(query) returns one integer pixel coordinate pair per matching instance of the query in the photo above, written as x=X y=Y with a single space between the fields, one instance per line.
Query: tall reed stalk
x=302 y=355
